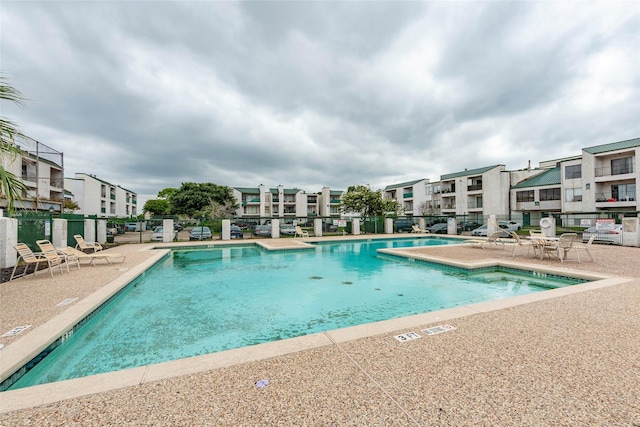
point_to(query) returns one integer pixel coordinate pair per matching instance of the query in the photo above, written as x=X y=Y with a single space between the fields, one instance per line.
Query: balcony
x=112 y=196
x=619 y=170
x=335 y=200
x=29 y=177
x=407 y=195
x=477 y=187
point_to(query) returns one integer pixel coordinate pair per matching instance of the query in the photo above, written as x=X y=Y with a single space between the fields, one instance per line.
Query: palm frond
x=12 y=188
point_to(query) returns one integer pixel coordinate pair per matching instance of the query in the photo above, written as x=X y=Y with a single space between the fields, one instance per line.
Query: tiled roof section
x=248 y=190
x=291 y=190
x=548 y=177
x=402 y=184
x=469 y=172
x=614 y=146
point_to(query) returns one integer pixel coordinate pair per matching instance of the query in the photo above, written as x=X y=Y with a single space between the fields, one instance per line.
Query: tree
x=70 y=206
x=194 y=198
x=157 y=206
x=217 y=210
x=12 y=187
x=363 y=200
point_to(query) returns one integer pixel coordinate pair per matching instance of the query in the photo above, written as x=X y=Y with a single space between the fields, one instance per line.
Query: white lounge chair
x=79 y=255
x=417 y=229
x=300 y=232
x=28 y=257
x=82 y=245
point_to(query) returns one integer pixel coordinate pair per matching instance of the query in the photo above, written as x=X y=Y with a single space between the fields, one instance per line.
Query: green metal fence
x=33 y=226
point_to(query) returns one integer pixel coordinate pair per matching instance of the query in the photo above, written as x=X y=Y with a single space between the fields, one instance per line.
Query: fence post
x=8 y=238
x=355 y=226
x=388 y=225
x=59 y=232
x=317 y=227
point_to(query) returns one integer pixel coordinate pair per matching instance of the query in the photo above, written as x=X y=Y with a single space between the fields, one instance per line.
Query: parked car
x=605 y=233
x=262 y=230
x=158 y=232
x=510 y=225
x=288 y=229
x=177 y=226
x=115 y=228
x=131 y=226
x=482 y=231
x=443 y=228
x=236 y=232
x=403 y=224
x=200 y=233
x=242 y=224
x=470 y=226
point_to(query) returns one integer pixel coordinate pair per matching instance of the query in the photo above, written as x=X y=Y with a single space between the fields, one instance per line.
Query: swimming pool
x=207 y=300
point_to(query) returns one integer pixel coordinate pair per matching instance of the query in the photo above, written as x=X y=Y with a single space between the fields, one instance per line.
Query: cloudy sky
x=150 y=94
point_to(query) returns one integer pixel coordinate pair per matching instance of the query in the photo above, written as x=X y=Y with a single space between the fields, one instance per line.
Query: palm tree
x=10 y=185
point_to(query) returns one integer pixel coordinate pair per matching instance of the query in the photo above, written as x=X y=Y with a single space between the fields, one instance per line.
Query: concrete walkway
x=572 y=359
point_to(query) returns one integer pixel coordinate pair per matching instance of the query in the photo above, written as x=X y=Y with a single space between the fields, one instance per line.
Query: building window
x=620 y=166
x=550 y=194
x=623 y=192
x=573 y=171
x=524 y=196
x=573 y=195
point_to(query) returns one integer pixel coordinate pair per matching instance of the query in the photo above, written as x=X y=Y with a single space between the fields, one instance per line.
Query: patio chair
x=47 y=248
x=537 y=234
x=79 y=255
x=519 y=242
x=82 y=245
x=416 y=229
x=561 y=247
x=300 y=232
x=28 y=257
x=494 y=239
x=582 y=246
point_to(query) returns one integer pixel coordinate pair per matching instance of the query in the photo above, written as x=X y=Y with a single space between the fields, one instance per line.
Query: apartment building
x=40 y=168
x=280 y=202
x=98 y=197
x=412 y=196
x=604 y=178
x=475 y=192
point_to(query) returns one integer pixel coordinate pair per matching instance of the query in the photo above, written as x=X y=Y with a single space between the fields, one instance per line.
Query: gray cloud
x=151 y=94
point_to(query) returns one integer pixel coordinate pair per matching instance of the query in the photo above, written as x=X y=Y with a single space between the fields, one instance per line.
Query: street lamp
x=201 y=226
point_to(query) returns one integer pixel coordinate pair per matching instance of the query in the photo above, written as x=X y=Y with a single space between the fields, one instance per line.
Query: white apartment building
x=475 y=192
x=98 y=197
x=40 y=168
x=604 y=178
x=412 y=196
x=280 y=202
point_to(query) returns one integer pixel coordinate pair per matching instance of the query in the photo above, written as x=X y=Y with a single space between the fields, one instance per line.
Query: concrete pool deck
x=554 y=358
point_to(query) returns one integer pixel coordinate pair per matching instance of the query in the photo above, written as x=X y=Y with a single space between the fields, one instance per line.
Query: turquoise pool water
x=207 y=300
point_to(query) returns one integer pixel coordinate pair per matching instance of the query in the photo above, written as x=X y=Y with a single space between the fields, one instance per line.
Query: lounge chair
x=47 y=248
x=82 y=245
x=561 y=247
x=300 y=232
x=494 y=239
x=519 y=242
x=581 y=246
x=28 y=257
x=417 y=229
x=79 y=255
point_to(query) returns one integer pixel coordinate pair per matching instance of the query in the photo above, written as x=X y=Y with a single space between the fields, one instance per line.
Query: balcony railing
x=335 y=200
x=618 y=170
x=612 y=197
x=407 y=195
x=474 y=187
x=112 y=196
